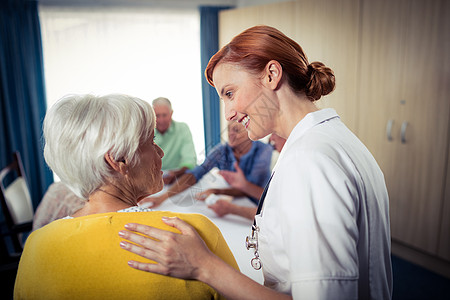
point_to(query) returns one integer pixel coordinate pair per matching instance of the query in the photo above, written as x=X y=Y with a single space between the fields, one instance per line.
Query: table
x=234 y=228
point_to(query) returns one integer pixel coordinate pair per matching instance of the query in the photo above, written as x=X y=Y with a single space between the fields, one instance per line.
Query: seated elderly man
x=102 y=148
x=175 y=139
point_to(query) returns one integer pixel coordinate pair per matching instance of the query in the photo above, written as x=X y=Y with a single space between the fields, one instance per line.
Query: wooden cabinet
x=404 y=111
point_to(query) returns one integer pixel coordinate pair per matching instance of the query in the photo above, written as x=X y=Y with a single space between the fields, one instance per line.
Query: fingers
x=174 y=254
x=179 y=224
x=202 y=195
x=141 y=251
x=151 y=202
x=154 y=268
x=236 y=166
x=146 y=202
x=147 y=231
x=167 y=180
x=220 y=208
x=227 y=175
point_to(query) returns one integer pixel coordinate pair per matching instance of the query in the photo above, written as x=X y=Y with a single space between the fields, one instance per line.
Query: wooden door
x=328 y=31
x=426 y=91
x=404 y=83
x=381 y=62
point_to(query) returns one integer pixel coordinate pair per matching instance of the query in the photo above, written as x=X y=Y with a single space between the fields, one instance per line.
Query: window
x=143 y=52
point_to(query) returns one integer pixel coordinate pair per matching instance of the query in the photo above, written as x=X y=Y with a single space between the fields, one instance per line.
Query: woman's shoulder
x=115 y=221
x=219 y=149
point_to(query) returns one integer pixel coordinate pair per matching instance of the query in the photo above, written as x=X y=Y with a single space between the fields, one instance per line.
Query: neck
x=106 y=199
x=293 y=108
x=242 y=148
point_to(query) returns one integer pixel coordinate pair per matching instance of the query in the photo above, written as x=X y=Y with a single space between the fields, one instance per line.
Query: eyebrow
x=223 y=89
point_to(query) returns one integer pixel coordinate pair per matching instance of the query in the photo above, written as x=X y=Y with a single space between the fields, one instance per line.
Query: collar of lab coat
x=309 y=121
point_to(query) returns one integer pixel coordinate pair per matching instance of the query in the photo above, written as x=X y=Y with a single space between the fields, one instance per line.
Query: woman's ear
x=273 y=74
x=118 y=166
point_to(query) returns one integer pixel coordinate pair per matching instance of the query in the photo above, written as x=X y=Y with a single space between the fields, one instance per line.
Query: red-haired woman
x=322 y=228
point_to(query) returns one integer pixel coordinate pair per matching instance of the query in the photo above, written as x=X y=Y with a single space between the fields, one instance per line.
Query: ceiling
x=157 y=3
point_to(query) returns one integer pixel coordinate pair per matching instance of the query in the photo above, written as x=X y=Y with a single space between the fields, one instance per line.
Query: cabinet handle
x=389 y=125
x=403 y=132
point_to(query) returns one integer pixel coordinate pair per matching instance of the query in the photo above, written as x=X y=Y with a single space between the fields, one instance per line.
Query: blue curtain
x=209 y=45
x=22 y=94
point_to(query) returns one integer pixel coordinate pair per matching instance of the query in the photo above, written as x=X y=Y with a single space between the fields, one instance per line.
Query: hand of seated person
x=235 y=179
x=153 y=201
x=222 y=207
x=203 y=195
x=169 y=177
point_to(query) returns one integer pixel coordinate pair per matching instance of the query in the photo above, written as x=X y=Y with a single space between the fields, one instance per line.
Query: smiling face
x=147 y=173
x=246 y=99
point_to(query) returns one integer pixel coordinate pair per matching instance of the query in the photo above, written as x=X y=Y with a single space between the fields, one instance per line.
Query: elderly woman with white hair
x=102 y=148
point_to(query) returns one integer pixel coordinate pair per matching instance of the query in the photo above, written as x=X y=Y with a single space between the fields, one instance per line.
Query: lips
x=245 y=121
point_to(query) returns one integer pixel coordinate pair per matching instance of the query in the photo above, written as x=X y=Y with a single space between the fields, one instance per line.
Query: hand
x=176 y=255
x=235 y=179
x=151 y=202
x=222 y=207
x=203 y=195
x=169 y=178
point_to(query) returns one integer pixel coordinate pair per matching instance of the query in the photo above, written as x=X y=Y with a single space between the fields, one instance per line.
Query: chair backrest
x=15 y=196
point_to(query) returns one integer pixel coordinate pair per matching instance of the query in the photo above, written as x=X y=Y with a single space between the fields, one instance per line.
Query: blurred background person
x=237 y=180
x=251 y=157
x=58 y=202
x=175 y=139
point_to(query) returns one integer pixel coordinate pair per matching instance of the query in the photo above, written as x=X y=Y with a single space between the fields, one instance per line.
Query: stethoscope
x=251 y=241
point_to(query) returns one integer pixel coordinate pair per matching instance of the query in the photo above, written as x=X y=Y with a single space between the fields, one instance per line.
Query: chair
x=16 y=202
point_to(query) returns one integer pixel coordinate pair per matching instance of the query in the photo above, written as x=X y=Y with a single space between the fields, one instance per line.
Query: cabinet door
x=426 y=91
x=382 y=59
x=424 y=116
x=328 y=31
x=411 y=88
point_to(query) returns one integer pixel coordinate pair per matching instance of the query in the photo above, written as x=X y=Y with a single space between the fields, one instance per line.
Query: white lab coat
x=324 y=226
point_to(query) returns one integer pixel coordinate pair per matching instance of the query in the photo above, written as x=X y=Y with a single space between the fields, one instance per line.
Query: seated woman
x=252 y=157
x=58 y=202
x=237 y=180
x=103 y=149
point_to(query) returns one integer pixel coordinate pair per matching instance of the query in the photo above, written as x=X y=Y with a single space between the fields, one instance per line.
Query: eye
x=229 y=94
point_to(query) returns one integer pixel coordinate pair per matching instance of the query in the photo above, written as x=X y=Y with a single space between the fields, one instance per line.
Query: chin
x=255 y=136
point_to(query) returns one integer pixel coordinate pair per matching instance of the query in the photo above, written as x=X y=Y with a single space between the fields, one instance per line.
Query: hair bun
x=321 y=80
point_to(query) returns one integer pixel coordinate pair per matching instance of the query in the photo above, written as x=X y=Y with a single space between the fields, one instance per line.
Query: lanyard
x=252 y=240
x=261 y=200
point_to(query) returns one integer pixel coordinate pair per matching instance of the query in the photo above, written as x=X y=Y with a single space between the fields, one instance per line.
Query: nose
x=160 y=151
x=230 y=113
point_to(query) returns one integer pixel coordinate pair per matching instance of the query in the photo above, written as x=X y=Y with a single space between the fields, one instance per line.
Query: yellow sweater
x=80 y=258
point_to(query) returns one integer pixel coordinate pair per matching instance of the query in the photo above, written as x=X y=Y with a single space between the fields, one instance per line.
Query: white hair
x=80 y=129
x=162 y=101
